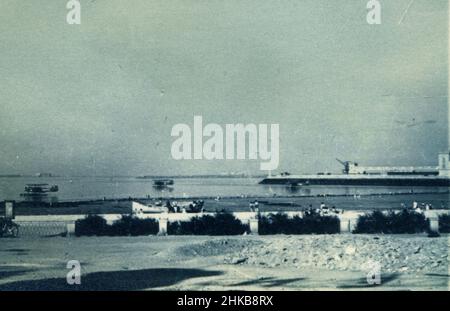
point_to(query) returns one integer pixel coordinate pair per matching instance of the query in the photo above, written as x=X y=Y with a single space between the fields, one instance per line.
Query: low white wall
x=348 y=219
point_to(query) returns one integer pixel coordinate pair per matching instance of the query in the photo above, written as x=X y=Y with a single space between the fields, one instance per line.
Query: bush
x=126 y=225
x=3 y=222
x=392 y=223
x=312 y=223
x=444 y=223
x=91 y=225
x=219 y=224
x=12 y=228
x=129 y=225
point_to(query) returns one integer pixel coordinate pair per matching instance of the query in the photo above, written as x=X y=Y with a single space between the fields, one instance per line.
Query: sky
x=101 y=98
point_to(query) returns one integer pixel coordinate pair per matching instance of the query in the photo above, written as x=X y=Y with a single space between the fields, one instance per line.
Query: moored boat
x=38 y=189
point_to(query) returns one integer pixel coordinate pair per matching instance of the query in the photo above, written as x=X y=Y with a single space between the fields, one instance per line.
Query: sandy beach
x=408 y=262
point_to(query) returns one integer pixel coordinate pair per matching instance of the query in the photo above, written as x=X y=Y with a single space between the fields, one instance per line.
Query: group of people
x=323 y=210
x=254 y=206
x=419 y=207
x=195 y=206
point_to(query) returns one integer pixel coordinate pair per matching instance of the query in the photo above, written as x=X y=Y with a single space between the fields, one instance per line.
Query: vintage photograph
x=233 y=145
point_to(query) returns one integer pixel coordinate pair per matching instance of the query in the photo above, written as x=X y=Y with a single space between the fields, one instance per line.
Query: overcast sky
x=101 y=98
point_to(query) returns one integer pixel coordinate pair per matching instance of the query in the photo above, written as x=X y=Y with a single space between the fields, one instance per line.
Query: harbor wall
x=347 y=180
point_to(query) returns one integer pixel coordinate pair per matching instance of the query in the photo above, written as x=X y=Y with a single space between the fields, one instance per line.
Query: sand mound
x=345 y=252
x=219 y=246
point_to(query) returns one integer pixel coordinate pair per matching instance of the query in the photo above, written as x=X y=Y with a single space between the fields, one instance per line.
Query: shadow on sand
x=10 y=271
x=269 y=282
x=113 y=280
x=362 y=282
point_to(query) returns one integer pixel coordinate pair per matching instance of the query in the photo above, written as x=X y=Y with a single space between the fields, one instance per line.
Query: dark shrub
x=444 y=223
x=129 y=225
x=11 y=225
x=314 y=223
x=308 y=224
x=219 y=224
x=3 y=222
x=392 y=223
x=91 y=225
x=375 y=222
x=126 y=225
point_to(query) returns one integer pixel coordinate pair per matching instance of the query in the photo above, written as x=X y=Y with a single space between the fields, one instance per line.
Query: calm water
x=87 y=188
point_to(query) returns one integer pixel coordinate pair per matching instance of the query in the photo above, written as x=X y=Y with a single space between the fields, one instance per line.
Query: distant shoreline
x=137 y=177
